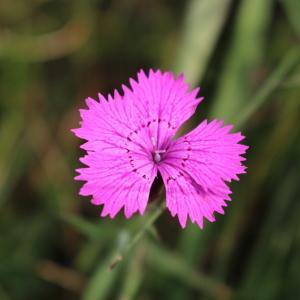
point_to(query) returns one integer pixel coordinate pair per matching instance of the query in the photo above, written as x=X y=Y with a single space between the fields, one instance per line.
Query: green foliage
x=53 y=244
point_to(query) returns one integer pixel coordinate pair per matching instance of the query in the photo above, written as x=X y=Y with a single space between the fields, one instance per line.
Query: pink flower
x=130 y=139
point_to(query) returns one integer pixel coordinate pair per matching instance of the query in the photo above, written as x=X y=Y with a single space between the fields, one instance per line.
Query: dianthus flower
x=130 y=138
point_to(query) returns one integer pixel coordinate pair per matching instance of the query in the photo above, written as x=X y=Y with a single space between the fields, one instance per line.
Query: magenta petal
x=163 y=102
x=119 y=171
x=185 y=198
x=196 y=168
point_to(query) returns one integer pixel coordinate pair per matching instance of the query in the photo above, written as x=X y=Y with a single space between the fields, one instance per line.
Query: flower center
x=157 y=155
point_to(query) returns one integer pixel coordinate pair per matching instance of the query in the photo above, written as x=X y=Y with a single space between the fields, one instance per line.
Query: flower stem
x=158 y=210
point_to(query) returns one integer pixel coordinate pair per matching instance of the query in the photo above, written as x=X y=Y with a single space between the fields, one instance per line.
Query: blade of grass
x=102 y=281
x=243 y=57
x=202 y=26
x=290 y=60
x=134 y=276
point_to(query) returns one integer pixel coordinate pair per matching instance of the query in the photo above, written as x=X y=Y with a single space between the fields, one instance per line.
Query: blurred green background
x=54 y=53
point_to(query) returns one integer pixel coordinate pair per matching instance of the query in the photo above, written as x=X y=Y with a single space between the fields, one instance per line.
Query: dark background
x=53 y=54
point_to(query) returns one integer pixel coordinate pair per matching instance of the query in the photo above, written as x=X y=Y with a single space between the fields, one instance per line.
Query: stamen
x=157 y=155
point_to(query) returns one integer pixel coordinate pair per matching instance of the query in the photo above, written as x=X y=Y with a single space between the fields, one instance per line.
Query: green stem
x=137 y=237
